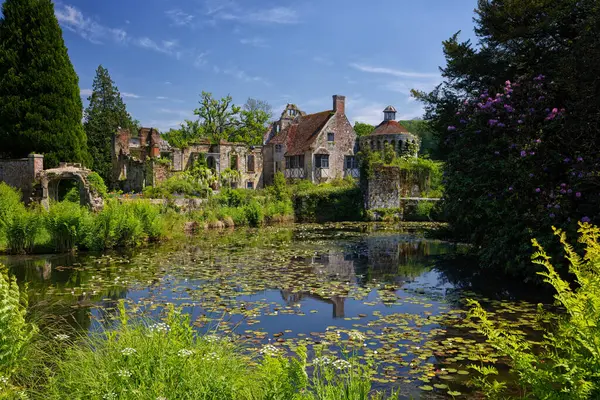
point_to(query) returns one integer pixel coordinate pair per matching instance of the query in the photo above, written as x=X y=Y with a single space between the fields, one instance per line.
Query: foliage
x=15 y=332
x=10 y=205
x=229 y=177
x=557 y=43
x=197 y=181
x=568 y=362
x=105 y=113
x=23 y=230
x=156 y=360
x=363 y=129
x=335 y=201
x=428 y=142
x=40 y=103
x=222 y=120
x=279 y=188
x=65 y=223
x=97 y=184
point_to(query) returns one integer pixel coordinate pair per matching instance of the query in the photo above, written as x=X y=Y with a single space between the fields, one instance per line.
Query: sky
x=163 y=53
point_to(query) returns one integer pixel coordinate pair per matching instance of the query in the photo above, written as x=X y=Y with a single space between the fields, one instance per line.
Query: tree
x=40 y=104
x=363 y=129
x=218 y=118
x=105 y=113
x=254 y=121
x=526 y=42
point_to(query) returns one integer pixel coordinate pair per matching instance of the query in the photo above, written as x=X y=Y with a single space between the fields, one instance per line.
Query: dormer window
x=330 y=137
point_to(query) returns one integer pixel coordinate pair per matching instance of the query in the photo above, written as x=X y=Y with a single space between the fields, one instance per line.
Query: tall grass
x=169 y=360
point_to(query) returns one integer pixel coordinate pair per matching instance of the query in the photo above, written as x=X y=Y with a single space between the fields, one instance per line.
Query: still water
x=376 y=293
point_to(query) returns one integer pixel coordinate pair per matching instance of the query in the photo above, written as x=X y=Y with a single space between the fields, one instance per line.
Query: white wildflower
x=123 y=373
x=269 y=350
x=185 y=353
x=128 y=351
x=322 y=361
x=3 y=380
x=109 y=396
x=341 y=364
x=211 y=357
x=212 y=338
x=161 y=398
x=160 y=327
x=62 y=337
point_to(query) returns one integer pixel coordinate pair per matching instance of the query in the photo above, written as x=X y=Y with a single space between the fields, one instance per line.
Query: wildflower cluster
x=123 y=373
x=185 y=353
x=270 y=350
x=211 y=357
x=61 y=337
x=128 y=351
x=212 y=338
x=338 y=364
x=356 y=336
x=159 y=327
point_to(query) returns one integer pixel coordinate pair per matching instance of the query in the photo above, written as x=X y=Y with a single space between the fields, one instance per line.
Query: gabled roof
x=299 y=136
x=389 y=128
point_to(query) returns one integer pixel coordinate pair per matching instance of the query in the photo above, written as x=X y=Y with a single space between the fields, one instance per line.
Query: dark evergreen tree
x=105 y=113
x=40 y=104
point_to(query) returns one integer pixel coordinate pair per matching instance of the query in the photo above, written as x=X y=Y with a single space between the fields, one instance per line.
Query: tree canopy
x=220 y=119
x=105 y=113
x=40 y=104
x=517 y=121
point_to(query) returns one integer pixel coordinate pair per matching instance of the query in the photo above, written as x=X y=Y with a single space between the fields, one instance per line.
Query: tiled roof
x=389 y=128
x=299 y=136
x=389 y=109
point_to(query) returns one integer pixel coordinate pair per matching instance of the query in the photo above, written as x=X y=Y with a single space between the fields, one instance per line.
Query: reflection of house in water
x=398 y=258
x=330 y=265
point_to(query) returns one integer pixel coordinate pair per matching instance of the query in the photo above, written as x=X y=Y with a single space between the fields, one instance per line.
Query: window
x=330 y=137
x=278 y=148
x=351 y=162
x=250 y=163
x=287 y=162
x=301 y=161
x=234 y=162
x=250 y=185
x=322 y=160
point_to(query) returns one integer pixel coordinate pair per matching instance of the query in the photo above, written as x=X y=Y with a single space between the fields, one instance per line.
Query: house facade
x=392 y=133
x=318 y=147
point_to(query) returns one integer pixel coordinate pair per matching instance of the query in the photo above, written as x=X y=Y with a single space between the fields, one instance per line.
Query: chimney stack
x=339 y=104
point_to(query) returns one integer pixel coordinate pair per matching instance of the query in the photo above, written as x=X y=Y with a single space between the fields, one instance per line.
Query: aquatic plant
x=567 y=363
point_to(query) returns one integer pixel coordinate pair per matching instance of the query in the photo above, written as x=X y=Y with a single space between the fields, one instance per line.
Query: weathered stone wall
x=383 y=188
x=22 y=173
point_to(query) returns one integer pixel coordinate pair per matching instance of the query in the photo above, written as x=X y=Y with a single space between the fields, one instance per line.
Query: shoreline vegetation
x=67 y=226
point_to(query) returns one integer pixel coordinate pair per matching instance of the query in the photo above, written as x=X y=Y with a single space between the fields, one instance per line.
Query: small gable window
x=330 y=137
x=278 y=148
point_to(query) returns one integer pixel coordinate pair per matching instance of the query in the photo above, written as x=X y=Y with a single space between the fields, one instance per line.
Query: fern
x=15 y=332
x=568 y=366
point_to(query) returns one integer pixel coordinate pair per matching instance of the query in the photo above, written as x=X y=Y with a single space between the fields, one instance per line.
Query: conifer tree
x=40 y=104
x=105 y=113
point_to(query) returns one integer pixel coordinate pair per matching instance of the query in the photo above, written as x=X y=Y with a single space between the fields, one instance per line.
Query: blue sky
x=162 y=54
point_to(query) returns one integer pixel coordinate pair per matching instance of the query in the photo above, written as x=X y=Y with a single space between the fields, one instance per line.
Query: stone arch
x=211 y=163
x=49 y=181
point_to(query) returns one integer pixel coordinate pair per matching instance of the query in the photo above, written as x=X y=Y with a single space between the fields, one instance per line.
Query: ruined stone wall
x=383 y=189
x=21 y=173
x=242 y=151
x=344 y=144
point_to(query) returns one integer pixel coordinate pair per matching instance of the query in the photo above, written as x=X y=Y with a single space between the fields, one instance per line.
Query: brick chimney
x=339 y=104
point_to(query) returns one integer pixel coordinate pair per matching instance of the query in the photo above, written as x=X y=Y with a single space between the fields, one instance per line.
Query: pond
x=346 y=288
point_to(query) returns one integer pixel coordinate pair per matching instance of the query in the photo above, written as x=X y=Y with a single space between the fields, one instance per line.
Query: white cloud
x=394 y=72
x=85 y=92
x=179 y=18
x=130 y=95
x=161 y=98
x=73 y=19
x=233 y=11
x=255 y=41
x=242 y=75
x=200 y=60
x=322 y=60
x=163 y=125
x=168 y=83
x=182 y=113
x=364 y=110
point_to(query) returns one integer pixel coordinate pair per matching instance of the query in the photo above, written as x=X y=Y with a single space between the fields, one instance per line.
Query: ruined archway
x=49 y=181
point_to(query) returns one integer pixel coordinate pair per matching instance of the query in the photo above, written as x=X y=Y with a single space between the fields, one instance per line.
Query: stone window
x=288 y=162
x=330 y=137
x=234 y=162
x=250 y=185
x=250 y=163
x=278 y=148
x=322 y=160
x=351 y=162
x=301 y=161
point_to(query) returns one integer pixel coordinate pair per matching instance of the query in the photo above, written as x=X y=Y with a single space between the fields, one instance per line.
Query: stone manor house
x=318 y=147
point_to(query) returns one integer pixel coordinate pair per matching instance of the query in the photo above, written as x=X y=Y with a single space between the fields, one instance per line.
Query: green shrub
x=97 y=185
x=65 y=222
x=10 y=205
x=319 y=203
x=568 y=364
x=23 y=229
x=15 y=332
x=254 y=213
